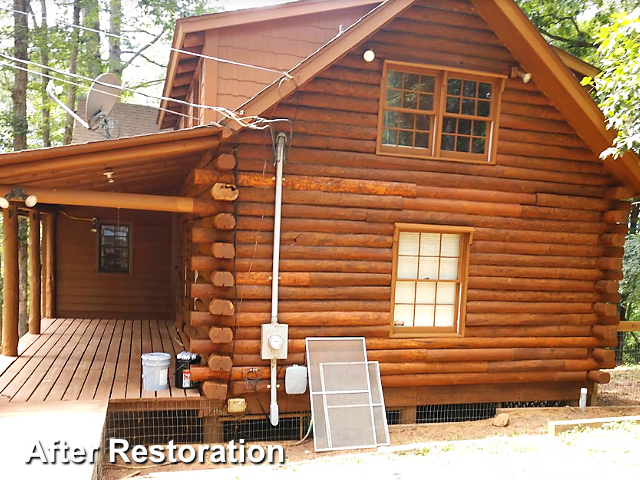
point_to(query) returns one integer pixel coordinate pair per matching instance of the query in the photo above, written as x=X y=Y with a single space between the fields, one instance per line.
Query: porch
x=80 y=360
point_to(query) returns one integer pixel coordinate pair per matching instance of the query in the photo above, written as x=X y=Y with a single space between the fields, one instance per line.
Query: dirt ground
x=623 y=389
x=522 y=422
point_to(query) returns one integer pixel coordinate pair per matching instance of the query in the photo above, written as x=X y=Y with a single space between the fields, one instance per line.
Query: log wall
x=82 y=292
x=545 y=259
x=207 y=285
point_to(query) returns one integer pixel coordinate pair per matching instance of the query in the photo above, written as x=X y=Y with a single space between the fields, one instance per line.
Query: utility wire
x=84 y=86
x=177 y=50
x=254 y=122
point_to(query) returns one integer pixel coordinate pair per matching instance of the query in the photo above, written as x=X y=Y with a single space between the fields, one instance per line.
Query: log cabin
x=442 y=196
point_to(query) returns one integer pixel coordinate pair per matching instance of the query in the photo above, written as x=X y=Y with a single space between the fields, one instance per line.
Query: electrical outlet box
x=274 y=341
x=295 y=380
x=236 y=405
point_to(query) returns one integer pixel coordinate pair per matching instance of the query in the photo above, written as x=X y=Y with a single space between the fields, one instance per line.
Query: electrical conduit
x=281 y=141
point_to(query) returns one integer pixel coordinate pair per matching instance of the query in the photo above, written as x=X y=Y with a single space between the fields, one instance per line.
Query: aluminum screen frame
x=341 y=379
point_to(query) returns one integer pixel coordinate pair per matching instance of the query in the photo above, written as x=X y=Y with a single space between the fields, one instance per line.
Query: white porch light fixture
x=369 y=56
x=29 y=200
x=517 y=73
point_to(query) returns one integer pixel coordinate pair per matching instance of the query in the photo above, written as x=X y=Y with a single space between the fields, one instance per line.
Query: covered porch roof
x=149 y=164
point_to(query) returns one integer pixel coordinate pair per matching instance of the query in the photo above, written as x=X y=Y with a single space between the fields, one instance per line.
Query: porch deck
x=83 y=360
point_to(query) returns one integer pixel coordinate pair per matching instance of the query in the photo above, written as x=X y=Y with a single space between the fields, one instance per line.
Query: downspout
x=281 y=141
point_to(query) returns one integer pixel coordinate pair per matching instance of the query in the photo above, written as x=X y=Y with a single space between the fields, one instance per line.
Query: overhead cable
x=177 y=50
x=84 y=86
x=254 y=122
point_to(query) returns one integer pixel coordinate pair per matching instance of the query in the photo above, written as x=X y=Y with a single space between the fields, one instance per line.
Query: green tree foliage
x=142 y=24
x=630 y=285
x=618 y=86
x=574 y=25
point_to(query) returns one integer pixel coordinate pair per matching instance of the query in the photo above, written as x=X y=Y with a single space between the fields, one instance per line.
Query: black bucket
x=184 y=360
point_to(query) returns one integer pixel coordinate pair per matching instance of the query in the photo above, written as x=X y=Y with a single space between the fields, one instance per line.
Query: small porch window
x=114 y=248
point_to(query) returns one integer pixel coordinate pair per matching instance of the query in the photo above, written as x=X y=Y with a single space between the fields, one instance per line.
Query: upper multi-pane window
x=438 y=113
x=114 y=248
x=429 y=279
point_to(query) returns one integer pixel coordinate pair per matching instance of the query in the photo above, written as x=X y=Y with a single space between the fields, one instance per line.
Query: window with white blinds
x=428 y=280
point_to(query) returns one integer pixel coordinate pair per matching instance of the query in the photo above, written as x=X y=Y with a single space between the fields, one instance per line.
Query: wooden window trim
x=130 y=246
x=463 y=275
x=442 y=74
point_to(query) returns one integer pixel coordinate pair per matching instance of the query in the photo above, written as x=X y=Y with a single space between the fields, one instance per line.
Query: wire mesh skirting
x=624 y=387
x=258 y=428
x=157 y=423
x=463 y=412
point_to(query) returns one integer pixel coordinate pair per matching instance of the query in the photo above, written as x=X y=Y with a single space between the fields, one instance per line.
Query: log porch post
x=50 y=255
x=35 y=278
x=10 y=292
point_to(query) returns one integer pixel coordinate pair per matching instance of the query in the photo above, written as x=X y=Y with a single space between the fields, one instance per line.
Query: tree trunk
x=23 y=255
x=91 y=40
x=44 y=59
x=73 y=68
x=115 y=44
x=633 y=216
x=19 y=92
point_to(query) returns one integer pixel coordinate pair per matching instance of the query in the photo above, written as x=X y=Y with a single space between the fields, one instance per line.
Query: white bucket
x=155 y=371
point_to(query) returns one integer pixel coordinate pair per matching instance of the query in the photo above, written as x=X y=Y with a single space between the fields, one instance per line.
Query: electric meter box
x=275 y=337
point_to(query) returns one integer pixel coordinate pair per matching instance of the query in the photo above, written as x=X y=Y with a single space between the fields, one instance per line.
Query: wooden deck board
x=13 y=365
x=20 y=370
x=119 y=390
x=81 y=360
x=108 y=374
x=82 y=370
x=90 y=384
x=135 y=375
x=58 y=366
x=169 y=346
x=64 y=378
x=26 y=341
x=156 y=342
x=52 y=366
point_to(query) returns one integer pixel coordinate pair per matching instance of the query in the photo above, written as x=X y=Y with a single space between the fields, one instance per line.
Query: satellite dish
x=102 y=97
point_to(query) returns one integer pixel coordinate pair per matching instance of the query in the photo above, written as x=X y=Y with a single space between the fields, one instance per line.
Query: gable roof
x=519 y=35
x=194 y=34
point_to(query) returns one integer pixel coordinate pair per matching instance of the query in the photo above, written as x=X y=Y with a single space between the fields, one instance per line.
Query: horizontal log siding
x=82 y=292
x=541 y=242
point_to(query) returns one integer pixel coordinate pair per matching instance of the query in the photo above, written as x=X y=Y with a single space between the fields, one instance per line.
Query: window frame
x=466 y=239
x=115 y=224
x=442 y=74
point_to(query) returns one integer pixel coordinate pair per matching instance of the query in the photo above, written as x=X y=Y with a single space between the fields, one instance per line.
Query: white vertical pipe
x=280 y=143
x=281 y=140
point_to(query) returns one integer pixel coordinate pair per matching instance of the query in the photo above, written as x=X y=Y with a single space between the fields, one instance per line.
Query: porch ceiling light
x=108 y=172
x=29 y=200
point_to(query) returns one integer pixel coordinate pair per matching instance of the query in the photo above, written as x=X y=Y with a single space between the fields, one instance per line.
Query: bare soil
x=527 y=421
x=623 y=389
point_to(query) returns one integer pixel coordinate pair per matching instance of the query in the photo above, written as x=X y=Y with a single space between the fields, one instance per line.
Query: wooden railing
x=629 y=327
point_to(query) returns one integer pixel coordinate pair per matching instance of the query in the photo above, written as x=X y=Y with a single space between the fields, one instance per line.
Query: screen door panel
x=346 y=395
